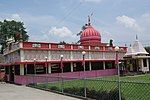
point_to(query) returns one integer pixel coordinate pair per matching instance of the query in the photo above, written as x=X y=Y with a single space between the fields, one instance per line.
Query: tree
x=12 y=30
x=111 y=42
x=62 y=42
x=148 y=49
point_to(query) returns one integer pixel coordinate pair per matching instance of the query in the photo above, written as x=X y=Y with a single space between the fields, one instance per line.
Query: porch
x=27 y=79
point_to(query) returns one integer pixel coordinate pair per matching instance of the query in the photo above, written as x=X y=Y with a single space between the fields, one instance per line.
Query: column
x=142 y=65
x=49 y=68
x=147 y=61
x=71 y=65
x=104 y=67
x=71 y=55
x=104 y=54
x=139 y=64
x=90 y=66
x=71 y=52
x=21 y=69
x=22 y=55
x=49 y=55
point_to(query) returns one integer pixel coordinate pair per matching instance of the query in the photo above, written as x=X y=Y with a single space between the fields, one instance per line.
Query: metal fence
x=99 y=89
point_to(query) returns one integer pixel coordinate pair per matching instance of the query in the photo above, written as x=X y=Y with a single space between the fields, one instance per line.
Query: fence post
x=119 y=86
x=62 y=85
x=27 y=80
x=33 y=78
x=46 y=82
x=85 y=87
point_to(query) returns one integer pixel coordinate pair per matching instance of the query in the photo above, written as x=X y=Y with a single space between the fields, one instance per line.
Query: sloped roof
x=130 y=51
x=136 y=49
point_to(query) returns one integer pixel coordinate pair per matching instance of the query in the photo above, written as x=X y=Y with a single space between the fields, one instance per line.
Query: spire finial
x=89 y=19
x=136 y=37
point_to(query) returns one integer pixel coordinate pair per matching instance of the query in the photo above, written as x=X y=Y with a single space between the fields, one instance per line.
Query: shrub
x=54 y=88
x=93 y=94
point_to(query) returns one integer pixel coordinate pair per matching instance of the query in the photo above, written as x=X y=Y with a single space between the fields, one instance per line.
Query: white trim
x=71 y=65
x=21 y=69
x=49 y=68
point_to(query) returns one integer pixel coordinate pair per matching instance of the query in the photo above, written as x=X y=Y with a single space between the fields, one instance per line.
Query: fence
x=98 y=89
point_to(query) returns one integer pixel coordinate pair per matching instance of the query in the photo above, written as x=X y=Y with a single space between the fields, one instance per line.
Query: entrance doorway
x=11 y=74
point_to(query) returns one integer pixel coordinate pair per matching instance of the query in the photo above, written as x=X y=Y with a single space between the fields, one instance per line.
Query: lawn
x=132 y=87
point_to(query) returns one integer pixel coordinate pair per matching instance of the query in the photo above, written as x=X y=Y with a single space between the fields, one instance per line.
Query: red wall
x=24 y=80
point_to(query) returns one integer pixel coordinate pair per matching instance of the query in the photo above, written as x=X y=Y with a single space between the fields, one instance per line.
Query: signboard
x=36 y=45
x=61 y=46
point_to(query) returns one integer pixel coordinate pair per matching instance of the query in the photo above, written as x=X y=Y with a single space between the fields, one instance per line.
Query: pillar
x=147 y=61
x=104 y=66
x=90 y=66
x=140 y=64
x=21 y=69
x=22 y=57
x=71 y=65
x=49 y=68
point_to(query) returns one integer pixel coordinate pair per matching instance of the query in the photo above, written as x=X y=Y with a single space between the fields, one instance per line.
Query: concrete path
x=14 y=92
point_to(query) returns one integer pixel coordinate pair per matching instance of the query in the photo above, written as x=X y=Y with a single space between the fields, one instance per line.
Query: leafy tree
x=111 y=42
x=148 y=49
x=12 y=30
x=62 y=42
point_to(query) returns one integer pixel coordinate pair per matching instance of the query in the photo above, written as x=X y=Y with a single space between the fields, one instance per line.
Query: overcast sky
x=61 y=20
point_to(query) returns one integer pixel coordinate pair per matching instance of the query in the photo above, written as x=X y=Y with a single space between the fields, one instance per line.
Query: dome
x=90 y=36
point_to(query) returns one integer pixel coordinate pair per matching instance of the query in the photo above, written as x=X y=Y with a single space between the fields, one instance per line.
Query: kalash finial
x=89 y=19
x=136 y=37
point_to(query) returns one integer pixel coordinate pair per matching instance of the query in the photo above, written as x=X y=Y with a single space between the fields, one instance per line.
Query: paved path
x=14 y=92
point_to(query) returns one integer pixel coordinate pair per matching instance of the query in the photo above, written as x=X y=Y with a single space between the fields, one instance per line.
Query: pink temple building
x=23 y=59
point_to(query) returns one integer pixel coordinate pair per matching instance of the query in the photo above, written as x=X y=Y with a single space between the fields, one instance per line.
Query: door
x=11 y=74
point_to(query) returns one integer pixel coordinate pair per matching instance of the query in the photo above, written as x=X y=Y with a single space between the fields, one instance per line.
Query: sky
x=61 y=20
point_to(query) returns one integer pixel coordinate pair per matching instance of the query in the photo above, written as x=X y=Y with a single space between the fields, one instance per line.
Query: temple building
x=38 y=58
x=137 y=58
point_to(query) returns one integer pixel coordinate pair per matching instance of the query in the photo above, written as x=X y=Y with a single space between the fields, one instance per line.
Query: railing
x=57 y=46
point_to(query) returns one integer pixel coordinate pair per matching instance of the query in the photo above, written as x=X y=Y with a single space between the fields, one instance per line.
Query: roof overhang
x=136 y=57
x=141 y=57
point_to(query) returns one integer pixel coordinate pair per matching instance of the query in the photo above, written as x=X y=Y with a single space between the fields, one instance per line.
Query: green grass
x=135 y=78
x=132 y=87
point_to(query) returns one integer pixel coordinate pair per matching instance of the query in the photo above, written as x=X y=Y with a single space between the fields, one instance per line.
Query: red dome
x=90 y=35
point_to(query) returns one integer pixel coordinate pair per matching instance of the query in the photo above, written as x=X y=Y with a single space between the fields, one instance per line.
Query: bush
x=93 y=94
x=54 y=88
x=75 y=91
x=32 y=84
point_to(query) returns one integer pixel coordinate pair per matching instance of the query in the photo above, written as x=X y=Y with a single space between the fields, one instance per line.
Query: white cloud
x=61 y=32
x=16 y=17
x=146 y=15
x=9 y=17
x=128 y=22
x=38 y=27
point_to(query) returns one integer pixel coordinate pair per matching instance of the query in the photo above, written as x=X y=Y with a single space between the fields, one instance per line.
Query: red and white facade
x=40 y=58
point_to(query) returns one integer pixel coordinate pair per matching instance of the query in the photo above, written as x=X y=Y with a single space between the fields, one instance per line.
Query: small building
x=23 y=59
x=2 y=70
x=137 y=58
